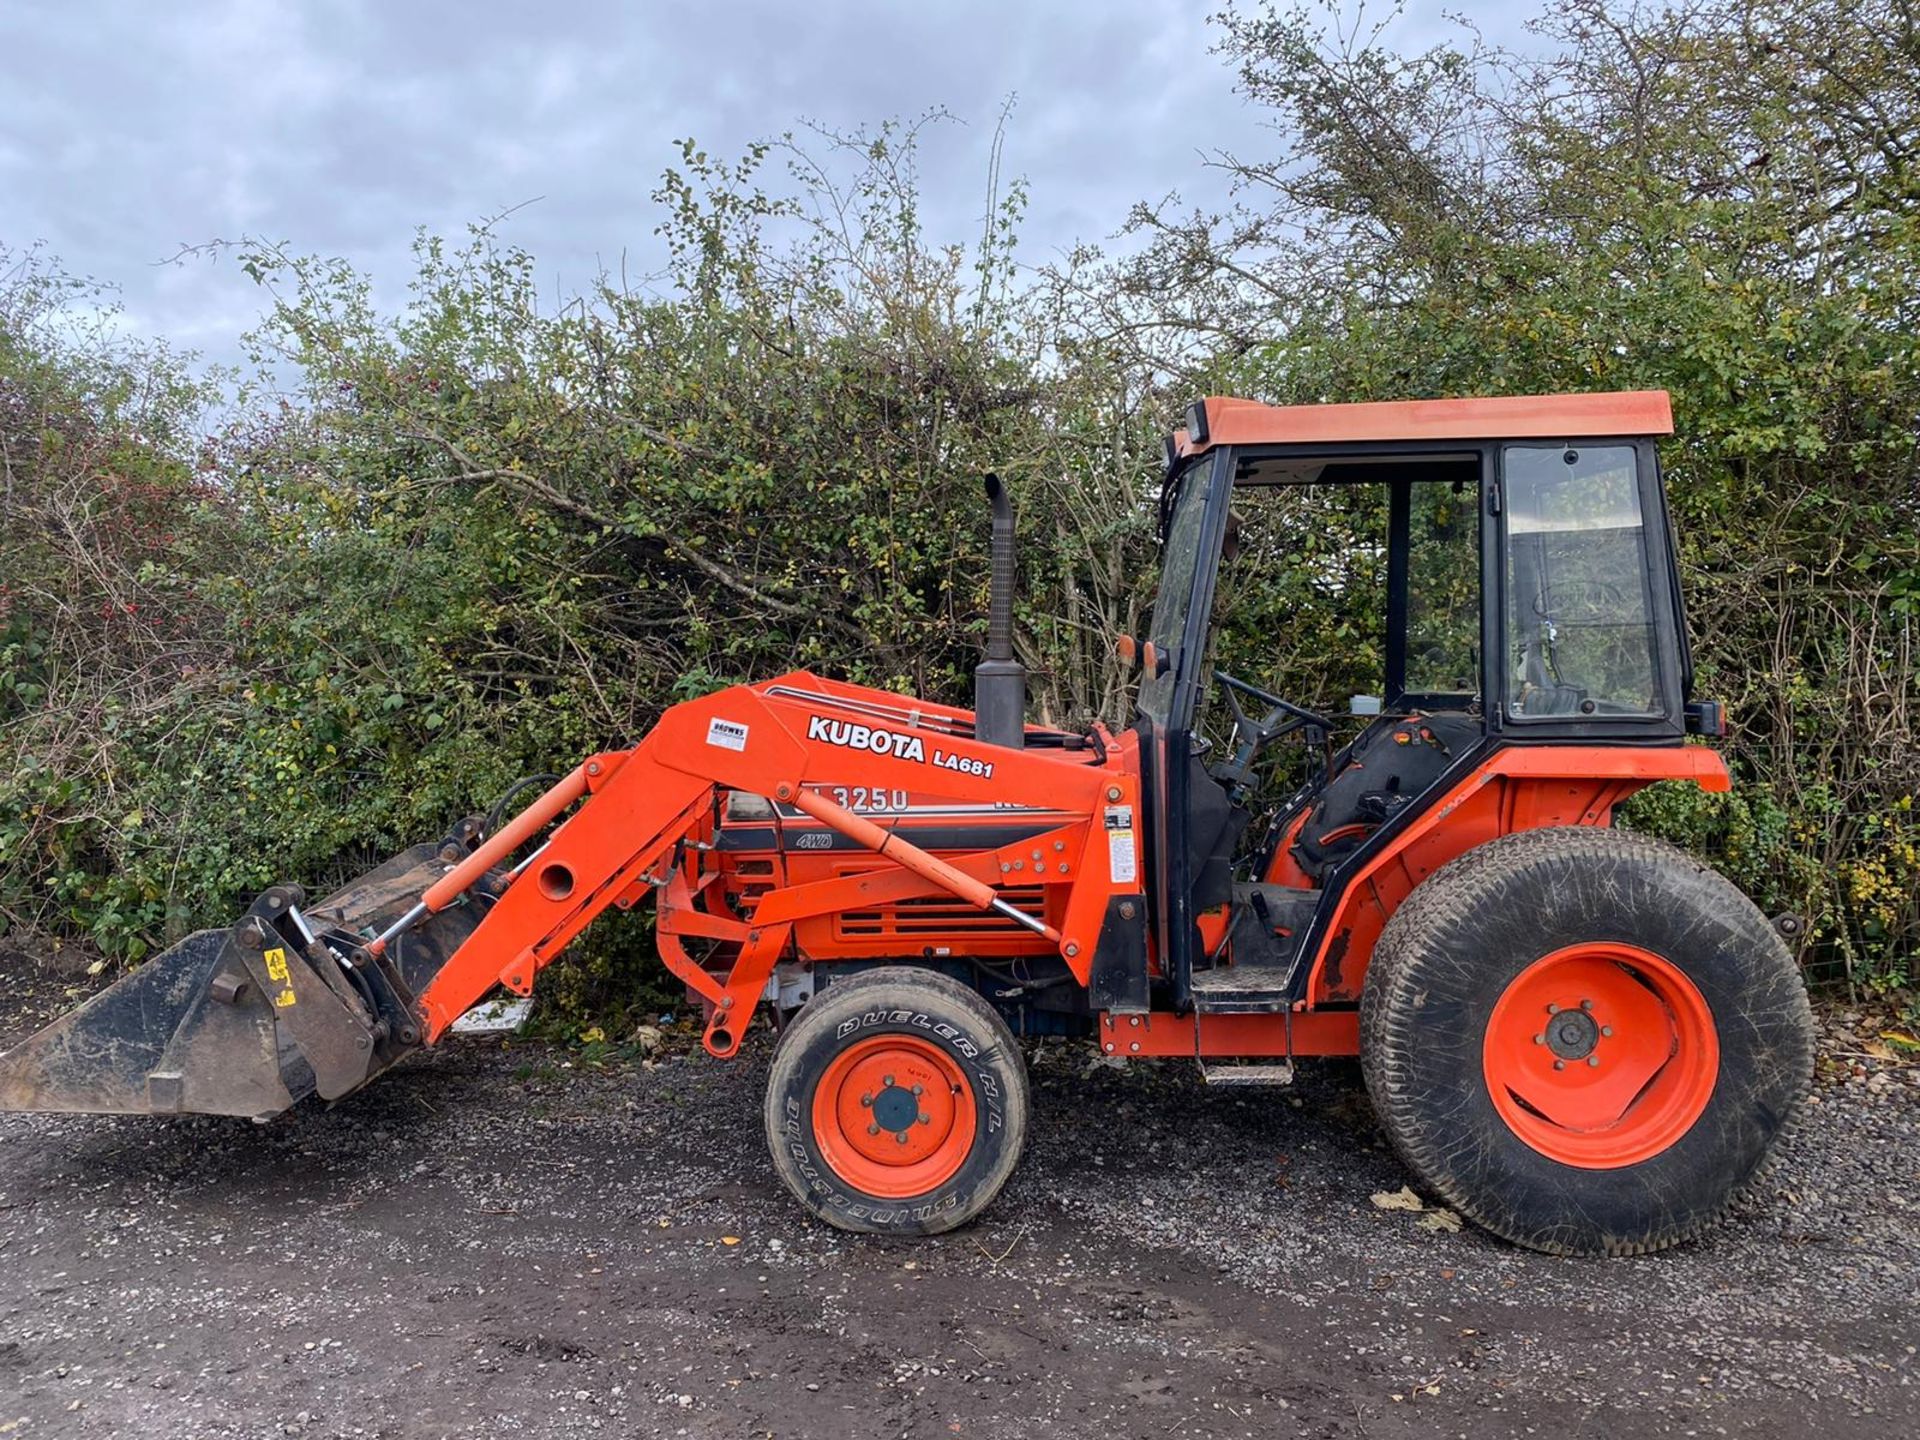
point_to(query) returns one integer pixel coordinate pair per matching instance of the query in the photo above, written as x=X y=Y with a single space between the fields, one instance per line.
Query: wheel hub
x=1572 y=1034
x=895 y=1108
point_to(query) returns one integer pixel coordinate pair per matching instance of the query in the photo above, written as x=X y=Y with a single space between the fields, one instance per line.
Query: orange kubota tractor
x=1583 y=1039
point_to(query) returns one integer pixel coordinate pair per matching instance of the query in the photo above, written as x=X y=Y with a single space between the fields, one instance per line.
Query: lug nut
x=1593 y=1059
x=926 y=1119
x=1539 y=1039
x=1559 y=1064
x=917 y=1090
x=1586 y=1005
x=901 y=1137
x=887 y=1080
x=867 y=1100
x=873 y=1129
x=1552 y=1009
x=1606 y=1029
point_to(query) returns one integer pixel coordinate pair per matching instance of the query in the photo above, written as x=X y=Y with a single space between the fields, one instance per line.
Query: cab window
x=1579 y=621
x=1443 y=588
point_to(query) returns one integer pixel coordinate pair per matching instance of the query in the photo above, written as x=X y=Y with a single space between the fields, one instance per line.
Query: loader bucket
x=251 y=1019
x=156 y=1041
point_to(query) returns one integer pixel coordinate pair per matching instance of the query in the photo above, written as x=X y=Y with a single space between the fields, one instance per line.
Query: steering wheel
x=1250 y=736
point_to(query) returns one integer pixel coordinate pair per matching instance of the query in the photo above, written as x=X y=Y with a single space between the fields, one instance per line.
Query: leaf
x=1401 y=1199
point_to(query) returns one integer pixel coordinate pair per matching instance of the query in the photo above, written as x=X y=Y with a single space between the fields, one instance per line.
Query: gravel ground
x=492 y=1242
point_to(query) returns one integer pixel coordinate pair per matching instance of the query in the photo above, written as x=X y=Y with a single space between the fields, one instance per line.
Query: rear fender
x=1516 y=788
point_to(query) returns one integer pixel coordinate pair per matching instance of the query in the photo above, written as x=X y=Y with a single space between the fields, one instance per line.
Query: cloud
x=341 y=127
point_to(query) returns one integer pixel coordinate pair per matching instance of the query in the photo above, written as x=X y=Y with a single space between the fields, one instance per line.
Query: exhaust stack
x=1000 y=681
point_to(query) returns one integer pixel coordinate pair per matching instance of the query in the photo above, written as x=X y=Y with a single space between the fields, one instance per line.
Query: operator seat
x=1387 y=768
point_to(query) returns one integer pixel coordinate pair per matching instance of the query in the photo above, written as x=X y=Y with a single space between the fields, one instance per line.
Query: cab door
x=1181 y=798
x=1590 y=640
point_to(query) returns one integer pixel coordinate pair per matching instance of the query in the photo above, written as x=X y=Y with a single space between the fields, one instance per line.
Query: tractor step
x=1269 y=923
x=1243 y=1073
x=1243 y=990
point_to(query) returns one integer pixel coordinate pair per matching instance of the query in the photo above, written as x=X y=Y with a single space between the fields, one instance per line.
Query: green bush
x=487 y=535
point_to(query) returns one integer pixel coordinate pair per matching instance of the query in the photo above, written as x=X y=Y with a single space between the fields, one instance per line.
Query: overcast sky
x=128 y=130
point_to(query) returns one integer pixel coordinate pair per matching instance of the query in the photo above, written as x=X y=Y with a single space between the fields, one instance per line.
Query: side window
x=1443 y=586
x=1580 y=637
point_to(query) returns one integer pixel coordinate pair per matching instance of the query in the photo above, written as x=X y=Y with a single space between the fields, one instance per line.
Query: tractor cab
x=1512 y=569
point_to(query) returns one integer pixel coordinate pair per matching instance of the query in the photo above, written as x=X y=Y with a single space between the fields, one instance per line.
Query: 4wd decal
x=900 y=746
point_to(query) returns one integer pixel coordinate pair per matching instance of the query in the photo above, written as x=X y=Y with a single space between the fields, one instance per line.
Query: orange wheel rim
x=894 y=1116
x=1601 y=1055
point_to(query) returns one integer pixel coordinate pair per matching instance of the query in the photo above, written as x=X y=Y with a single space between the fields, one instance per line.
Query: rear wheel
x=1584 y=1040
x=897 y=1103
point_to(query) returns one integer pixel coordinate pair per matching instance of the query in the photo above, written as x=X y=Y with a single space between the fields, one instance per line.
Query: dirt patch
x=491 y=1241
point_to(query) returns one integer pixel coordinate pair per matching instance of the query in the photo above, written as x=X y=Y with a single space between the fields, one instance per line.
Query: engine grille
x=937 y=915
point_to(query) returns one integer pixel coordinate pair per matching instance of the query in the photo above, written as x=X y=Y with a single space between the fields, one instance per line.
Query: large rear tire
x=1584 y=1040
x=897 y=1103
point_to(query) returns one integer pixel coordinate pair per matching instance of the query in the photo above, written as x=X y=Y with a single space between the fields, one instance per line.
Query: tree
x=1716 y=199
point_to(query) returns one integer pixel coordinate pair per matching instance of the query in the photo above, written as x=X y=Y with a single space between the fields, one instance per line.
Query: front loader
x=1580 y=1038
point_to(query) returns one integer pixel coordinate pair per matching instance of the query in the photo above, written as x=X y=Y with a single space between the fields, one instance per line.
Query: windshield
x=1179 y=558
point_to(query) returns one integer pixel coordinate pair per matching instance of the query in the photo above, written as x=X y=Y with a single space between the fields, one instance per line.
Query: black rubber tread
x=932 y=1007
x=1461 y=936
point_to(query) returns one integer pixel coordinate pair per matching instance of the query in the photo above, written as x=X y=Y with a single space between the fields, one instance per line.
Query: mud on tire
x=1520 y=982
x=896 y=1103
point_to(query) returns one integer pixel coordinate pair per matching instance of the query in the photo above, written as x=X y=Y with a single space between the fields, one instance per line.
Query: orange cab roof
x=1497 y=417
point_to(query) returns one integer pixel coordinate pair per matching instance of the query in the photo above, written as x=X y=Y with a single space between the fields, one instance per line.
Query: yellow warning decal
x=276 y=961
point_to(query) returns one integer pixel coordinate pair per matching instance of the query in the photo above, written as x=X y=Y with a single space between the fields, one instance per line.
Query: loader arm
x=297 y=998
x=645 y=807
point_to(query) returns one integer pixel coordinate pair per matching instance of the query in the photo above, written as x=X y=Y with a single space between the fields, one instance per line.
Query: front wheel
x=1584 y=1040
x=897 y=1103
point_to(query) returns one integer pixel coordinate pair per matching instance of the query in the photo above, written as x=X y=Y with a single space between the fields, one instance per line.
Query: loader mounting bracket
x=309 y=992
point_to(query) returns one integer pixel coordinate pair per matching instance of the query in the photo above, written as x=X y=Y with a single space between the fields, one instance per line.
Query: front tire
x=897 y=1103
x=1584 y=1040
